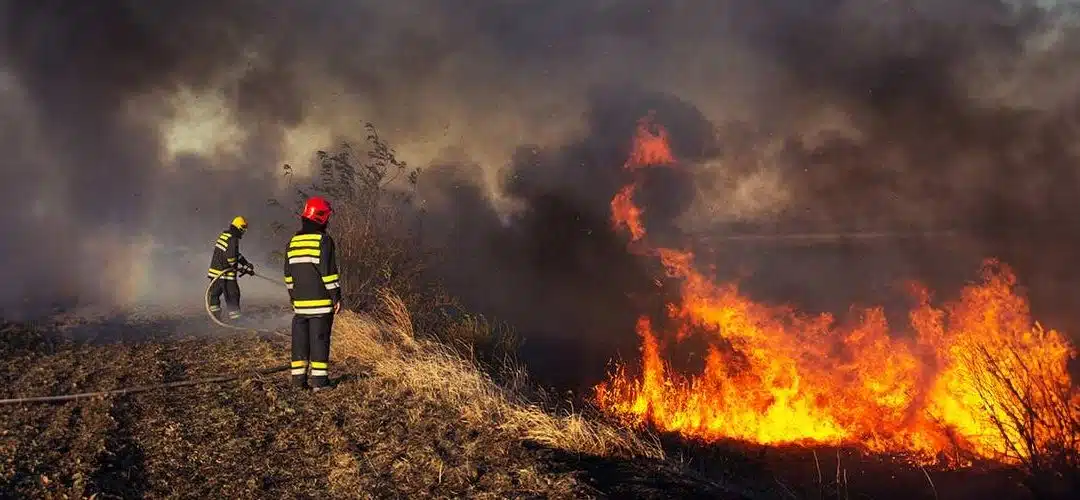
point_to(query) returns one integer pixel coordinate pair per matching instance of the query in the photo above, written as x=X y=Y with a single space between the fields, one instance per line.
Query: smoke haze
x=130 y=124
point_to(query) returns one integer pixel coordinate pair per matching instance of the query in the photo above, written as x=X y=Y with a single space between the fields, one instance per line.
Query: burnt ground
x=258 y=438
x=370 y=437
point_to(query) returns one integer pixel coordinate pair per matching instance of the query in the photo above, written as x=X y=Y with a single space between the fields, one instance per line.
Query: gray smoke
x=827 y=114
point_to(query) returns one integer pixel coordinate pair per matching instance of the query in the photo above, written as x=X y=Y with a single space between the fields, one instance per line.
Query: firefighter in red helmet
x=311 y=276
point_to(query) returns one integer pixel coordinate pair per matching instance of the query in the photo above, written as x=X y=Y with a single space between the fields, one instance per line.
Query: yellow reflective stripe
x=225 y=235
x=303 y=252
x=230 y=260
x=298 y=364
x=288 y=279
x=307 y=237
x=215 y=272
x=330 y=278
x=312 y=303
x=303 y=244
x=319 y=365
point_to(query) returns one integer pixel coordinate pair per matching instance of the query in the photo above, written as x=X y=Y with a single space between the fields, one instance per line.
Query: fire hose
x=209 y=312
x=142 y=388
x=166 y=385
x=177 y=383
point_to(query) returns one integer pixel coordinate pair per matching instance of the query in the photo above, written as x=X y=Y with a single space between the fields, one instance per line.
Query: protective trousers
x=311 y=349
x=231 y=289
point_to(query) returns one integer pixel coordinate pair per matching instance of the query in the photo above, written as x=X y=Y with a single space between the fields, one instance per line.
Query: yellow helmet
x=240 y=222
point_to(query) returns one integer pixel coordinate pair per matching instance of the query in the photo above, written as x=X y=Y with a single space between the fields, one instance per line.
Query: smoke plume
x=134 y=125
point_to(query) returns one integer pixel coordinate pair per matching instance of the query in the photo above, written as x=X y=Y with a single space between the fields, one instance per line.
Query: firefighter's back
x=304 y=255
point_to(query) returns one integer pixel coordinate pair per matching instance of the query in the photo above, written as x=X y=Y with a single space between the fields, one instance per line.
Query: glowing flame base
x=977 y=379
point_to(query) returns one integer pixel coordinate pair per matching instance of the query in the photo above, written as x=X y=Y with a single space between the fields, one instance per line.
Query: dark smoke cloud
x=922 y=142
x=556 y=269
x=949 y=120
x=85 y=160
x=824 y=115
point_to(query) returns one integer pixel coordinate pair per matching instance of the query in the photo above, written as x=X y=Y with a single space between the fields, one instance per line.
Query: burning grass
x=978 y=379
x=409 y=417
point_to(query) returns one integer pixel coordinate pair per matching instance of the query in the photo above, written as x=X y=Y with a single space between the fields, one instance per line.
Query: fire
x=975 y=379
x=649 y=149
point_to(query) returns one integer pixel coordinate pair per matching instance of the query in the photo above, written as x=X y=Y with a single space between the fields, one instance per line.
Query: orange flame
x=978 y=379
x=649 y=149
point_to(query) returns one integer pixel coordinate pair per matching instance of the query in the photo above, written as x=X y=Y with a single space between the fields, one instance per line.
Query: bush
x=380 y=246
x=1035 y=413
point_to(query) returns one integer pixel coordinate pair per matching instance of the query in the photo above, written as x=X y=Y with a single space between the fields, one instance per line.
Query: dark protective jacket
x=226 y=255
x=311 y=272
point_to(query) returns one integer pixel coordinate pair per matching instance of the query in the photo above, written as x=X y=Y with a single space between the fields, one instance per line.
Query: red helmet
x=317 y=210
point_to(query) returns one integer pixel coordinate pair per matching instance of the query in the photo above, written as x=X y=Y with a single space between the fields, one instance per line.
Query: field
x=407 y=418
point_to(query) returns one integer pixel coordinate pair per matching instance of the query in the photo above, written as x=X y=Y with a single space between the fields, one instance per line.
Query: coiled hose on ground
x=206 y=303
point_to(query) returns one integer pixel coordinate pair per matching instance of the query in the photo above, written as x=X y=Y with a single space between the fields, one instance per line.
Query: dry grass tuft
x=387 y=343
x=393 y=311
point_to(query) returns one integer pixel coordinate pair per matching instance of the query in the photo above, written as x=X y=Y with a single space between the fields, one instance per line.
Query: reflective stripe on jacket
x=311 y=273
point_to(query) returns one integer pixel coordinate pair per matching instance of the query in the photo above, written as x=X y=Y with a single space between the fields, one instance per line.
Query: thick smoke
x=131 y=123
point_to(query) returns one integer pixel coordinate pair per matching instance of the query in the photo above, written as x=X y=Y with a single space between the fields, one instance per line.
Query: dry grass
x=407 y=419
x=389 y=345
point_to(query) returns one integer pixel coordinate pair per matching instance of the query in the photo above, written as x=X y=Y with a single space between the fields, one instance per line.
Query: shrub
x=1036 y=413
x=377 y=229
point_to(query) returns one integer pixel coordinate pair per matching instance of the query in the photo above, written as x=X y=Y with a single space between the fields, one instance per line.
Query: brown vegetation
x=435 y=371
x=407 y=418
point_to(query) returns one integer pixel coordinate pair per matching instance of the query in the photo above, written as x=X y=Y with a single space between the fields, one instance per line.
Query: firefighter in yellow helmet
x=228 y=264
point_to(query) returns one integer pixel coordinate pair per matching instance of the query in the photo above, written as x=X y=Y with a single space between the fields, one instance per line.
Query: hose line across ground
x=167 y=385
x=143 y=388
